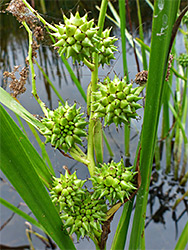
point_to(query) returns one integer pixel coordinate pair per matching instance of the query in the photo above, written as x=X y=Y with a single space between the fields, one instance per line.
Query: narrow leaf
x=17 y=108
x=19 y=168
x=183 y=239
x=164 y=16
x=20 y=213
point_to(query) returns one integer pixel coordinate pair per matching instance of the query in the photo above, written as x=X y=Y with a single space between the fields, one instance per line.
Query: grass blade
x=122 y=15
x=163 y=20
x=123 y=225
x=141 y=33
x=41 y=144
x=19 y=167
x=27 y=149
x=183 y=239
x=20 y=213
x=17 y=108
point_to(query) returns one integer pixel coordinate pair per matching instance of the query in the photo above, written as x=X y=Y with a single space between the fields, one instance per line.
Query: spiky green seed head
x=80 y=212
x=183 y=60
x=185 y=18
x=64 y=126
x=114 y=182
x=86 y=218
x=106 y=47
x=67 y=191
x=116 y=101
x=77 y=37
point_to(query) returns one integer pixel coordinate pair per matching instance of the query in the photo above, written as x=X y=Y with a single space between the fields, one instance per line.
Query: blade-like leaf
x=12 y=104
x=18 y=164
x=20 y=213
x=121 y=232
x=183 y=239
x=164 y=16
x=20 y=140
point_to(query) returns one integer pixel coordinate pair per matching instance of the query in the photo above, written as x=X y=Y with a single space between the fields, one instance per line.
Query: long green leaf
x=141 y=33
x=19 y=167
x=127 y=34
x=183 y=239
x=122 y=229
x=12 y=104
x=44 y=153
x=18 y=109
x=164 y=16
x=20 y=213
x=39 y=165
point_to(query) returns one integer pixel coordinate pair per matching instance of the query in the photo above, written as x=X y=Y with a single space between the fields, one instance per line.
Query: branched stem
x=79 y=156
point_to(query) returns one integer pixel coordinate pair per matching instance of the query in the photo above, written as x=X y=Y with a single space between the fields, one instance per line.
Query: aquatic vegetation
x=66 y=201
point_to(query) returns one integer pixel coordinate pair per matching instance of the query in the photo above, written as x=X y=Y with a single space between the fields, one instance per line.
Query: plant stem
x=141 y=33
x=122 y=15
x=33 y=76
x=43 y=6
x=107 y=145
x=94 y=78
x=50 y=83
x=78 y=156
x=38 y=16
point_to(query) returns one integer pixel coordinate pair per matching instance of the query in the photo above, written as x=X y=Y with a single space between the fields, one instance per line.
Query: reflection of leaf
x=22 y=165
x=12 y=104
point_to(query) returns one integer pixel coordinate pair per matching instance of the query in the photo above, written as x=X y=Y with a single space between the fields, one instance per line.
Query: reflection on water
x=163 y=225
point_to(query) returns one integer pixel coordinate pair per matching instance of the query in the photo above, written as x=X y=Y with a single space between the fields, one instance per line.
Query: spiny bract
x=78 y=38
x=64 y=126
x=113 y=181
x=81 y=214
x=116 y=101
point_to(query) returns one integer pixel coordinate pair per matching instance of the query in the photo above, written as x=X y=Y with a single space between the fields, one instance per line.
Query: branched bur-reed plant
x=85 y=212
x=72 y=206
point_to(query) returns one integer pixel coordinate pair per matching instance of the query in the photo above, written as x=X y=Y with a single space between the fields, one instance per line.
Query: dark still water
x=163 y=224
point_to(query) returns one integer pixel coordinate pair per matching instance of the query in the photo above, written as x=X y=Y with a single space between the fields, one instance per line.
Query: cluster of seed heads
x=106 y=47
x=114 y=182
x=78 y=38
x=64 y=126
x=116 y=101
x=183 y=60
x=80 y=213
